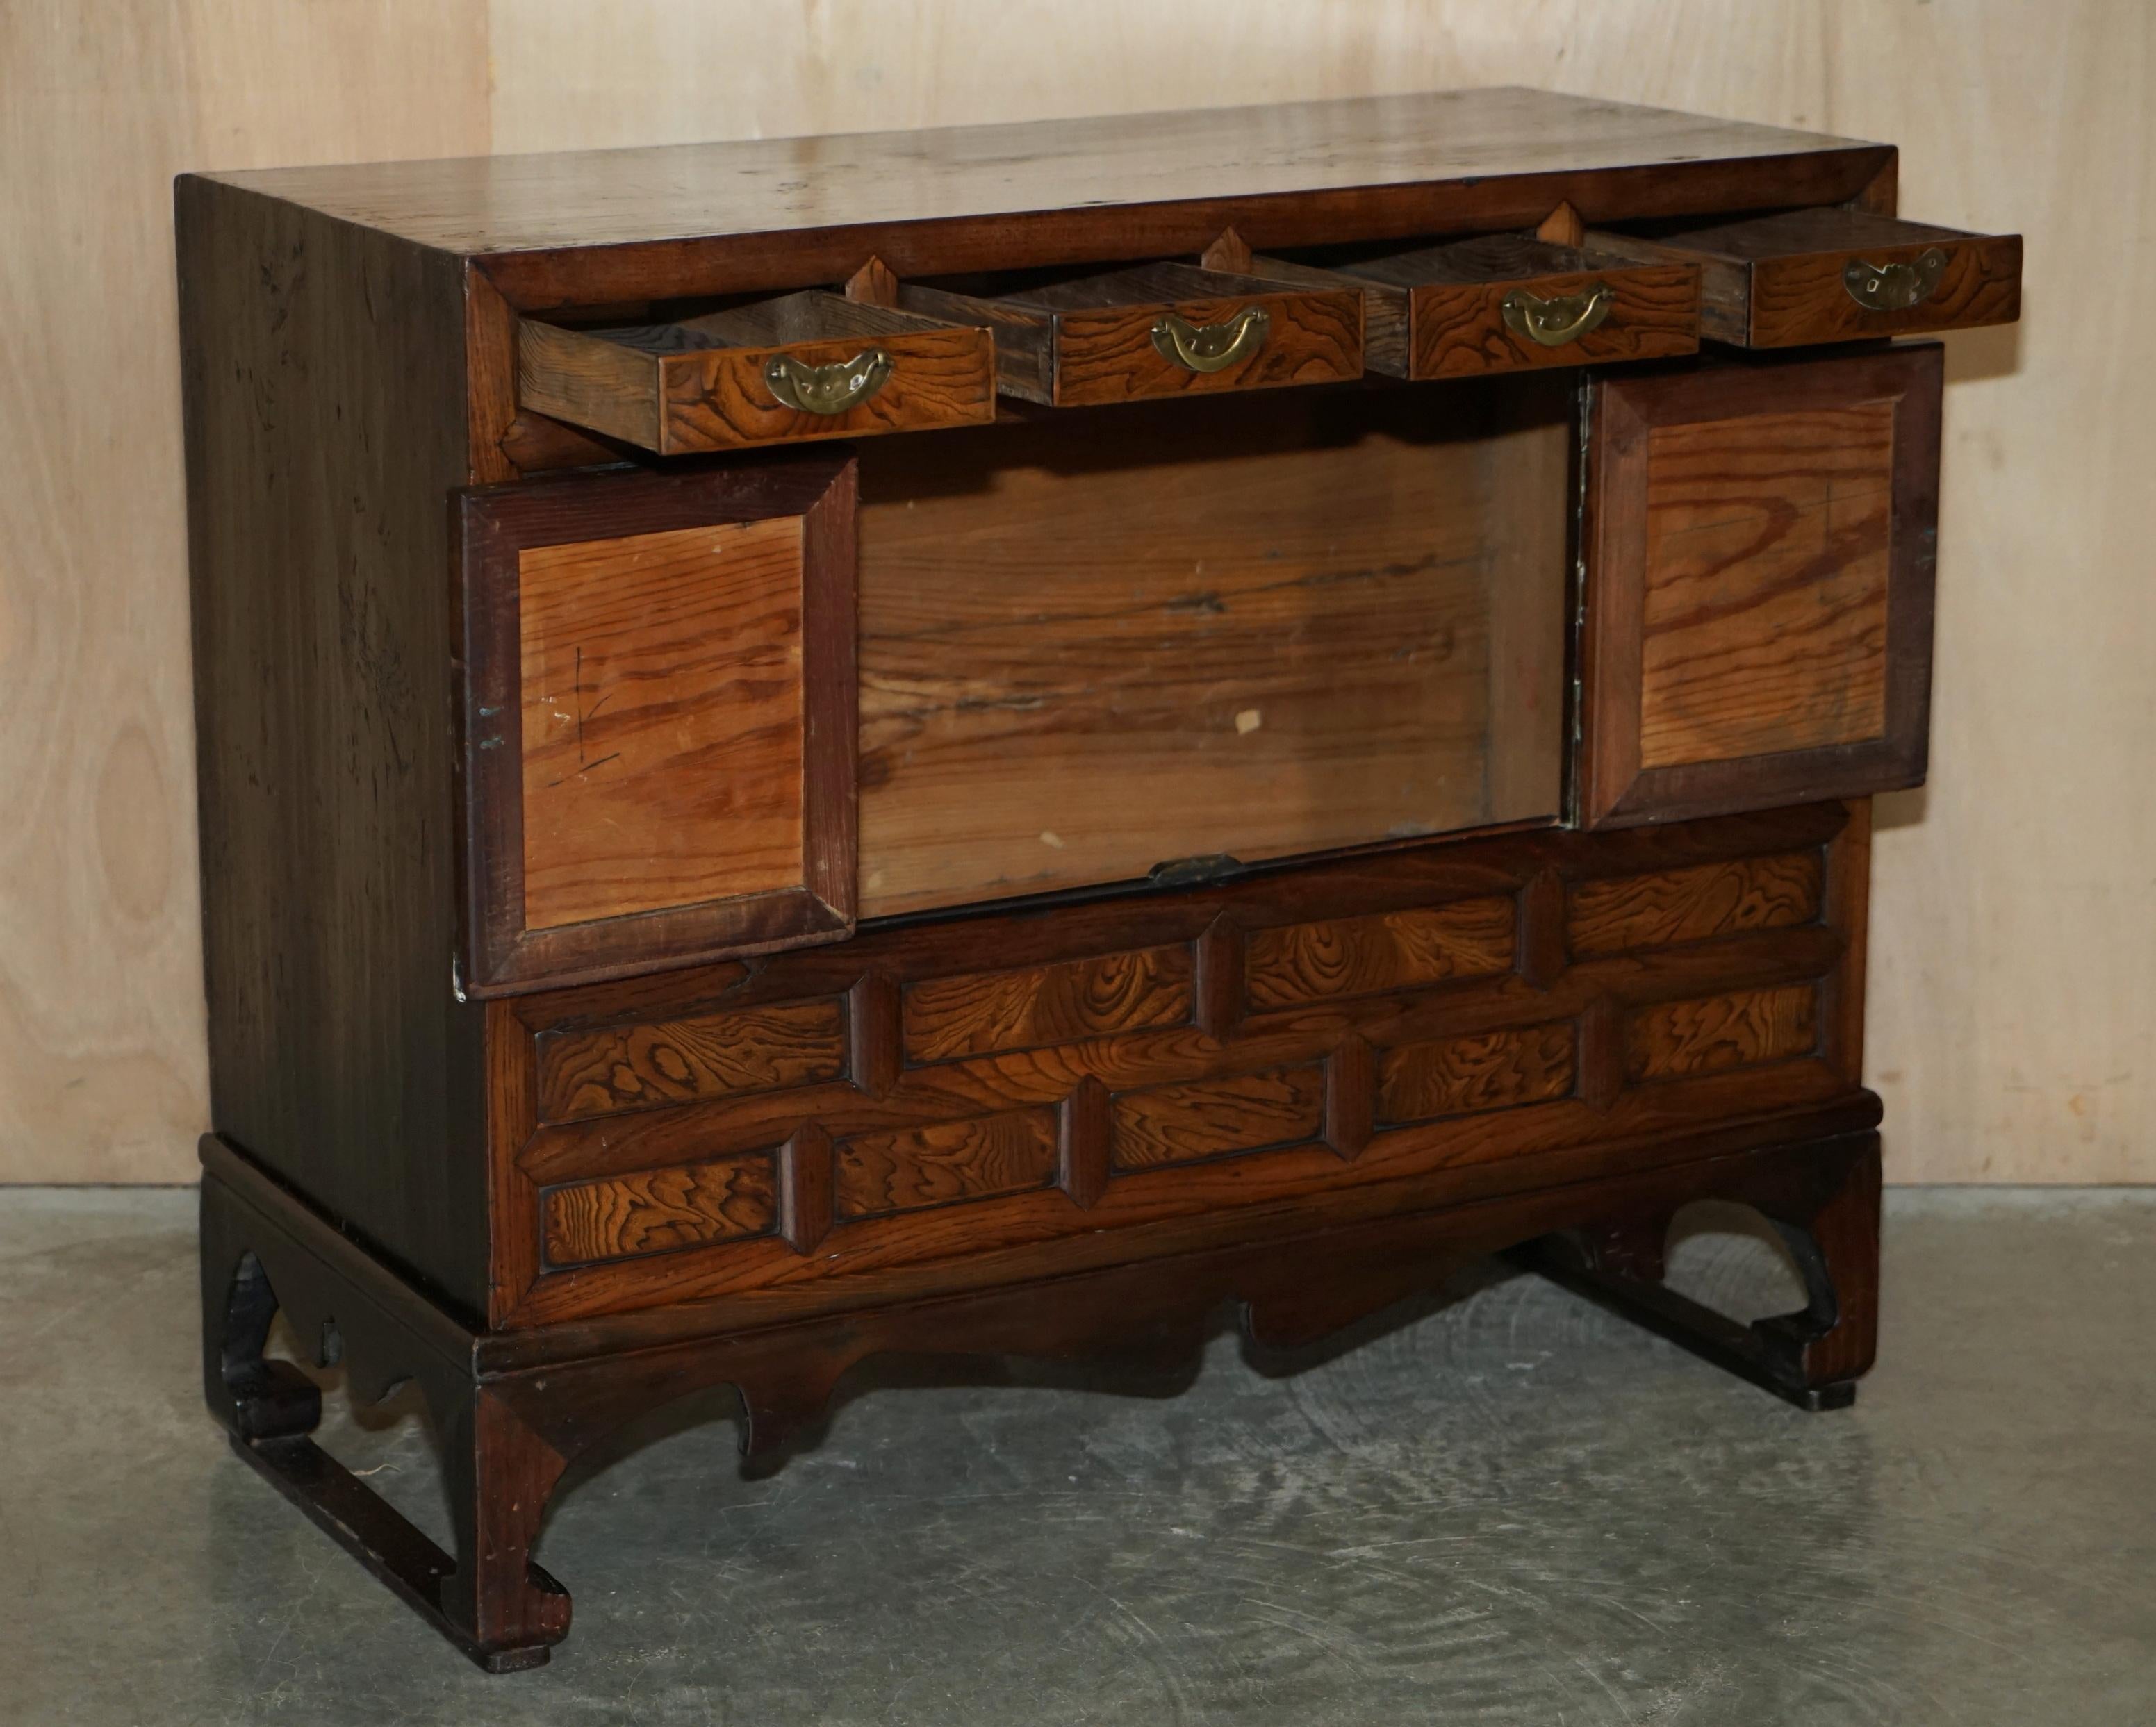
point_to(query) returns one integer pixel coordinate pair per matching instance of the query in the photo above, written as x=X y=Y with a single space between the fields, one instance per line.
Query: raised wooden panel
x=726 y=1200
x=1765 y=614
x=946 y=1160
x=1258 y=628
x=1675 y=906
x=1495 y=1070
x=612 y=1069
x=1389 y=951
x=1368 y=1022
x=1180 y=1123
x=945 y=1017
x=658 y=718
x=1760 y=548
x=663 y=719
x=1675 y=1040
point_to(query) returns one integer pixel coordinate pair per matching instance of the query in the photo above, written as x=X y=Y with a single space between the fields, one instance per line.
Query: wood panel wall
x=2013 y=1030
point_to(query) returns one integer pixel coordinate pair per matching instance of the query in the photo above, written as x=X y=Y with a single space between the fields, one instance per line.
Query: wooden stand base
x=514 y=1408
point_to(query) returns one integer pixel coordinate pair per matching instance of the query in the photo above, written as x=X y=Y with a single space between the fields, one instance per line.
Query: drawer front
x=1849 y=294
x=665 y=390
x=1102 y=1082
x=1760 y=545
x=1130 y=353
x=658 y=718
x=1645 y=312
x=1832 y=275
x=725 y=398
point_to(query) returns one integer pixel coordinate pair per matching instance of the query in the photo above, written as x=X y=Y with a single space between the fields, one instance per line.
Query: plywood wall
x=2013 y=1032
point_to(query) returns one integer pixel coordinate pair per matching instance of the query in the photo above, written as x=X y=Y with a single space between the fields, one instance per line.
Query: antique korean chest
x=977 y=742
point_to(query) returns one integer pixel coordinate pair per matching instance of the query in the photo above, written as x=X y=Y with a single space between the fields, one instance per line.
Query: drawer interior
x=790 y=369
x=1110 y=642
x=1800 y=277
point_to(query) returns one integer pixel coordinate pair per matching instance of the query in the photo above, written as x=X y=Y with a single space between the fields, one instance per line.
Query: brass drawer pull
x=1212 y=347
x=1893 y=287
x=829 y=389
x=1560 y=319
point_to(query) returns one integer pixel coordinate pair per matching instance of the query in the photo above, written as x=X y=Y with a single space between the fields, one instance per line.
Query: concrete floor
x=1507 y=1509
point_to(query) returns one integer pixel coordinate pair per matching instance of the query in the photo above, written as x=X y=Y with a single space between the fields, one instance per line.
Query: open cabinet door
x=1759 y=545
x=658 y=715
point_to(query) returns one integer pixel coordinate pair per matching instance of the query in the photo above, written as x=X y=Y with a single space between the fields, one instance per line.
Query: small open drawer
x=809 y=366
x=1159 y=330
x=1837 y=275
x=1504 y=302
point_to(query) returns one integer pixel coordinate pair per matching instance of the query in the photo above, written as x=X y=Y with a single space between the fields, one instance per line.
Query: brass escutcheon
x=1893 y=287
x=1211 y=347
x=829 y=389
x=1560 y=319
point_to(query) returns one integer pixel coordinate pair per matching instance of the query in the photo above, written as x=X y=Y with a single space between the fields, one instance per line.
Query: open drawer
x=1807 y=276
x=808 y=366
x=1507 y=302
x=1759 y=546
x=1158 y=329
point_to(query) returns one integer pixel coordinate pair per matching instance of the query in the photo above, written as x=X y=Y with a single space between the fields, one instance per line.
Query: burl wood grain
x=1766 y=586
x=663 y=719
x=1675 y=1040
x=1181 y=1124
x=1369 y=955
x=1258 y=628
x=725 y=1200
x=946 y=1017
x=1695 y=905
x=639 y=1066
x=946 y=1160
x=1495 y=1070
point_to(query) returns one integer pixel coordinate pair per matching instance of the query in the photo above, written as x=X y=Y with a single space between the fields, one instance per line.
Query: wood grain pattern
x=698 y=385
x=1458 y=1076
x=1456 y=1045
x=663 y=719
x=605 y=1070
x=946 y=1160
x=1369 y=956
x=1182 y=1124
x=894 y=191
x=945 y=1017
x=1776 y=281
x=1765 y=623
x=1695 y=904
x=1760 y=566
x=702 y=802
x=1675 y=1040
x=1254 y=627
x=730 y=1199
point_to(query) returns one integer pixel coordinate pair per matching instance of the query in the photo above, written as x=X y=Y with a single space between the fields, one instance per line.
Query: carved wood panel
x=1113 y=1078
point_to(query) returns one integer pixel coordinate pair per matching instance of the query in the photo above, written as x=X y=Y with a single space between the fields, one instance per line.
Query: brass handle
x=827 y=389
x=1212 y=347
x=1894 y=287
x=1560 y=319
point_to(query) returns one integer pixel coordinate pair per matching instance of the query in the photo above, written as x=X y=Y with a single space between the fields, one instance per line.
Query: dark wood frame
x=491 y=526
x=1624 y=409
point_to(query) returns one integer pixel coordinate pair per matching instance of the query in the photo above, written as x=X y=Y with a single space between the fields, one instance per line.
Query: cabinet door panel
x=1759 y=545
x=659 y=730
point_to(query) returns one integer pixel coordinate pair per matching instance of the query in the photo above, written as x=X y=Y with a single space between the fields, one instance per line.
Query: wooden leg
x=501 y=1610
x=1823 y=1201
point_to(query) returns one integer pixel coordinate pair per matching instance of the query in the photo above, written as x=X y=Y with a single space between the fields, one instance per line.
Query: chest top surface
x=1462 y=140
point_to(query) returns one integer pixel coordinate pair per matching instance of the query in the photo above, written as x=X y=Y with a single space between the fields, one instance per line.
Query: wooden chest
x=1349 y=746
